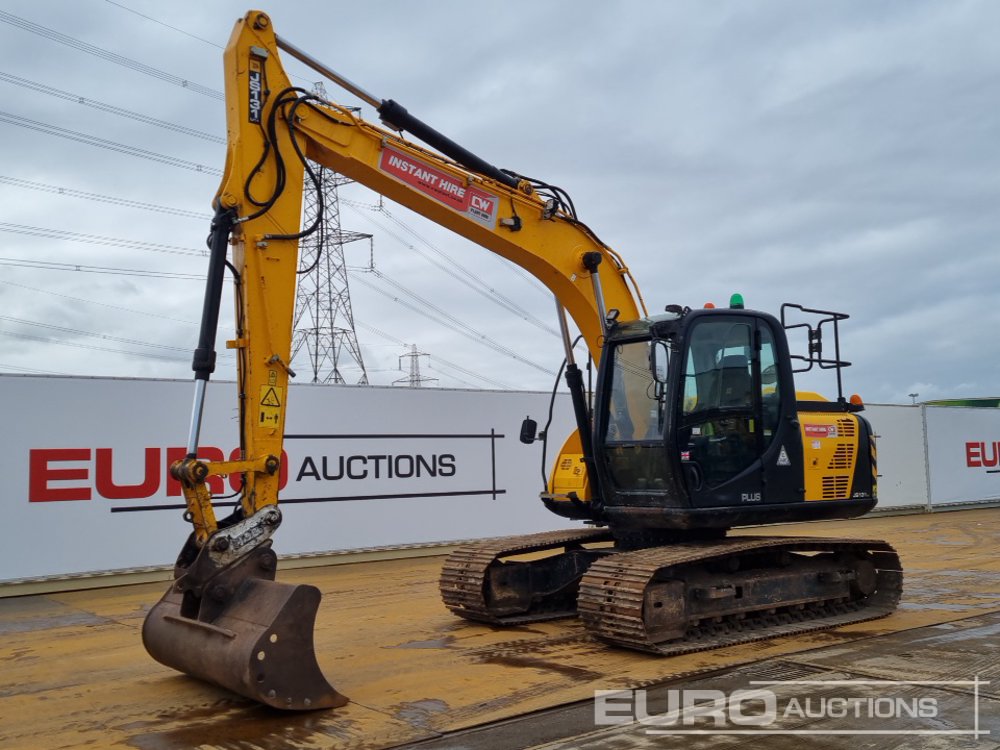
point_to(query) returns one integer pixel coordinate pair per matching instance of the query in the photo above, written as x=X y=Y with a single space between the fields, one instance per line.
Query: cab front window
x=636 y=404
x=634 y=437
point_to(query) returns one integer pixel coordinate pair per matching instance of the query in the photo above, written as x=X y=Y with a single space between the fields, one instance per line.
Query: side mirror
x=659 y=358
x=529 y=428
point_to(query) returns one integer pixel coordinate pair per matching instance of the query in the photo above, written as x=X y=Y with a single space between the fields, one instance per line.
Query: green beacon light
x=736 y=301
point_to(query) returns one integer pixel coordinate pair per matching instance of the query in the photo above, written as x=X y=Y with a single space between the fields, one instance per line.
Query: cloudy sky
x=840 y=155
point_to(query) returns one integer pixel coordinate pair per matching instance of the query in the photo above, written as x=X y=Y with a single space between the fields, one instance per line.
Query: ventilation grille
x=843 y=458
x=847 y=428
x=836 y=488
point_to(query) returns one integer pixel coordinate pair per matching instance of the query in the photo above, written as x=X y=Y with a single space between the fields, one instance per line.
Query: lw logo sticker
x=820 y=430
x=271 y=398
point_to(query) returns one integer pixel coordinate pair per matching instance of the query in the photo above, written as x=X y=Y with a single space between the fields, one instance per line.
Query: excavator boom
x=225 y=619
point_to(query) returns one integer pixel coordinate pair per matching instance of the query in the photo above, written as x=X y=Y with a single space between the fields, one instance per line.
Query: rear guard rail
x=253 y=636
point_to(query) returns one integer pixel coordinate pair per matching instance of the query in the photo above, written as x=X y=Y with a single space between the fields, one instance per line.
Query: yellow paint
x=569 y=473
x=830 y=453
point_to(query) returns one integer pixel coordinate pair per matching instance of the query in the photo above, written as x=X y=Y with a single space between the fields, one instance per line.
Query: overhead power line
x=78 y=332
x=104 y=107
x=423 y=306
x=104 y=54
x=94 y=347
x=474 y=278
x=120 y=308
x=450 y=375
x=452 y=366
x=30 y=370
x=515 y=269
x=97 y=239
x=453 y=268
x=92 y=140
x=54 y=266
x=432 y=312
x=154 y=247
x=161 y=23
x=104 y=337
x=186 y=33
x=29 y=185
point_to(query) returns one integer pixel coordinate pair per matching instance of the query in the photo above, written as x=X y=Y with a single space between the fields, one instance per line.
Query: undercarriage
x=673 y=599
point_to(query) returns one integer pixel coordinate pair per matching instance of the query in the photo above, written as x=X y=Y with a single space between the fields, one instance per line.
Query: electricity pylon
x=415 y=379
x=324 y=320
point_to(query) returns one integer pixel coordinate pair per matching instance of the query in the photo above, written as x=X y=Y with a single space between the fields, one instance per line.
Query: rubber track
x=463 y=575
x=612 y=592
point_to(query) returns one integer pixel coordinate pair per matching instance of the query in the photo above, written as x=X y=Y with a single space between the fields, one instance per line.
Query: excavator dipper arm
x=225 y=619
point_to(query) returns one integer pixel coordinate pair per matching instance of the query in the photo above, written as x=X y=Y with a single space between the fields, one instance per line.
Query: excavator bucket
x=254 y=638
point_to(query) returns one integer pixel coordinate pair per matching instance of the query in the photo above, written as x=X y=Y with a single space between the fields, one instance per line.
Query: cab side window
x=770 y=388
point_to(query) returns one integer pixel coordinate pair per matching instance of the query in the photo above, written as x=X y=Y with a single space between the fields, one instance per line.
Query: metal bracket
x=233 y=542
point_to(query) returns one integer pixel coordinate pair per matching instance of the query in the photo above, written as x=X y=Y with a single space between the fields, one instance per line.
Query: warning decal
x=445 y=188
x=271 y=399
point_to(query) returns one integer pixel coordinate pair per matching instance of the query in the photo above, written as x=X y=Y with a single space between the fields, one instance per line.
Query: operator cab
x=697 y=426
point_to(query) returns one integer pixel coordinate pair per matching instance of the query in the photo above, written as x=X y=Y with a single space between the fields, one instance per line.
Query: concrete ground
x=74 y=672
x=932 y=687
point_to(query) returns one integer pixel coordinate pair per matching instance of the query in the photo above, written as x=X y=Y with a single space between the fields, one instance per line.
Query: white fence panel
x=902 y=466
x=86 y=483
x=964 y=454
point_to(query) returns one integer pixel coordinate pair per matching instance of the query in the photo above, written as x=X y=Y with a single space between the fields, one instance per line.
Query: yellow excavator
x=693 y=428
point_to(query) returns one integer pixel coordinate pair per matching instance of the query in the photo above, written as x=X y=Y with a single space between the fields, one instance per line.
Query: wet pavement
x=73 y=671
x=931 y=687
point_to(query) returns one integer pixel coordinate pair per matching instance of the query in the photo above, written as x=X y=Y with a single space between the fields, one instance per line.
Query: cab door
x=737 y=444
